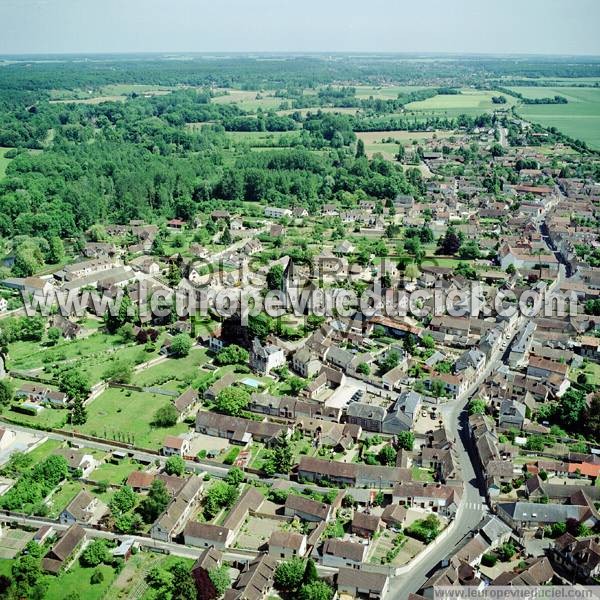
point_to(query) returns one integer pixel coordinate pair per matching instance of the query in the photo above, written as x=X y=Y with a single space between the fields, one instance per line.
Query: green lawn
x=115 y=473
x=31 y=355
x=6 y=567
x=119 y=414
x=44 y=450
x=49 y=418
x=419 y=474
x=248 y=99
x=77 y=581
x=59 y=500
x=173 y=372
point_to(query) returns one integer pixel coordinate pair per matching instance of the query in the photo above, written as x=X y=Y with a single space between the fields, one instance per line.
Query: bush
x=489 y=560
x=425 y=530
x=175 y=465
x=231 y=456
x=97 y=577
x=506 y=552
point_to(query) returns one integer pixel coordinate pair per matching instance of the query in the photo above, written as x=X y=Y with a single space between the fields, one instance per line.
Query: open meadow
x=580 y=118
x=386 y=142
x=468 y=102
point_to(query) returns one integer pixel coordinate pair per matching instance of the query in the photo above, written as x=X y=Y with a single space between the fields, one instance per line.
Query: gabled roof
x=374 y=582
x=62 y=550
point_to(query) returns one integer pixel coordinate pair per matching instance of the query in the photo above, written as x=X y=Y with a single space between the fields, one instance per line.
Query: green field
x=120 y=414
x=115 y=474
x=77 y=581
x=24 y=356
x=4 y=161
x=263 y=138
x=468 y=102
x=580 y=118
x=44 y=450
x=386 y=92
x=173 y=373
x=249 y=100
x=377 y=141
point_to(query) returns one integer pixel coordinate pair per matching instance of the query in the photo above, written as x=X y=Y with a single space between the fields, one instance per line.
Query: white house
x=276 y=213
x=175 y=446
x=287 y=544
x=265 y=358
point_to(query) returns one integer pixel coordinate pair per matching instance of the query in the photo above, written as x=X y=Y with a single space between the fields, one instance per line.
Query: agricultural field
x=337 y=110
x=580 y=118
x=263 y=139
x=468 y=102
x=386 y=92
x=248 y=100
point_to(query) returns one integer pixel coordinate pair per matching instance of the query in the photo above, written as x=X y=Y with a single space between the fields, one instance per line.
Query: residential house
x=68 y=329
x=32 y=392
x=255 y=581
x=580 y=558
x=265 y=358
x=307 y=509
x=226 y=381
x=238 y=430
x=276 y=212
x=356 y=583
x=78 y=461
x=249 y=501
x=210 y=559
x=140 y=481
x=512 y=414
x=439 y=498
x=175 y=446
x=306 y=363
x=186 y=403
x=366 y=525
x=352 y=474
x=205 y=535
x=172 y=521
x=338 y=553
x=531 y=515
x=394 y=515
x=84 y=508
x=495 y=531
x=441 y=461
x=536 y=572
x=287 y=544
x=61 y=553
x=367 y=416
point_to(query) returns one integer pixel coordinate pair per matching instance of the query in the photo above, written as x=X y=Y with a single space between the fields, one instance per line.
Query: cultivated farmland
x=580 y=118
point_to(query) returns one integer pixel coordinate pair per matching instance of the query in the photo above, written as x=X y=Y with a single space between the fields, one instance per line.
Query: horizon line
x=410 y=53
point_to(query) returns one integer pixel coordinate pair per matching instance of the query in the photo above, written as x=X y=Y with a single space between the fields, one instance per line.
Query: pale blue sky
x=472 y=26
